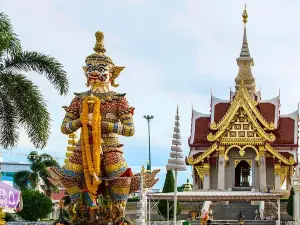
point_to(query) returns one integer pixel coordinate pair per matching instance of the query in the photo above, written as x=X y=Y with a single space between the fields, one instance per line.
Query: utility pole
x=149 y=118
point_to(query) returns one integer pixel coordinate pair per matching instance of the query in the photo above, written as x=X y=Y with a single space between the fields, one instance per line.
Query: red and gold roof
x=244 y=121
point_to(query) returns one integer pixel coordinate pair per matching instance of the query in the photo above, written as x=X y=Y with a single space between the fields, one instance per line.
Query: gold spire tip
x=245 y=15
x=99 y=46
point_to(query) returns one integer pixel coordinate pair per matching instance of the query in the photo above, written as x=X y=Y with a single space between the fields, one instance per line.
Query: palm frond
x=9 y=134
x=21 y=178
x=42 y=64
x=29 y=106
x=8 y=39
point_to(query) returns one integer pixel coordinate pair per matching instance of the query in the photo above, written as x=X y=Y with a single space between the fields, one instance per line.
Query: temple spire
x=245 y=61
x=245 y=50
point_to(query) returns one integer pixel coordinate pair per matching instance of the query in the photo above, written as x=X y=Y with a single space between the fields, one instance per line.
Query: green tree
x=39 y=164
x=9 y=217
x=21 y=102
x=168 y=187
x=35 y=205
x=290 y=205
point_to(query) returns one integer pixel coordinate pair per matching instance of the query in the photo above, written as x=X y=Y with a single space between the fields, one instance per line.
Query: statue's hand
x=96 y=177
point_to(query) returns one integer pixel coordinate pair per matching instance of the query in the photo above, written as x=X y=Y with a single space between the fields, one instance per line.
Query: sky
x=174 y=51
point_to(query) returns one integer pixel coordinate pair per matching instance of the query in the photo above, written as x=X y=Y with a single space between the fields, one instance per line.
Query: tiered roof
x=272 y=129
x=286 y=126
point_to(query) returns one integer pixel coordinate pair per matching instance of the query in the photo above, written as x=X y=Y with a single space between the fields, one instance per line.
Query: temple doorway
x=243 y=174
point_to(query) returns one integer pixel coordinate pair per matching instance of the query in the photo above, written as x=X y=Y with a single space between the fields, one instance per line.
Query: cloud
x=174 y=52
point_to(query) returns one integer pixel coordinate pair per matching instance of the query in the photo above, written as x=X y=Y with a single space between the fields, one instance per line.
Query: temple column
x=206 y=180
x=289 y=176
x=195 y=180
x=277 y=170
x=296 y=202
x=221 y=168
x=262 y=169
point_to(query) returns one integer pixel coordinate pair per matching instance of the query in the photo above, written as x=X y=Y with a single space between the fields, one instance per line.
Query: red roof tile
x=286 y=154
x=220 y=110
x=58 y=196
x=267 y=110
x=285 y=132
x=201 y=130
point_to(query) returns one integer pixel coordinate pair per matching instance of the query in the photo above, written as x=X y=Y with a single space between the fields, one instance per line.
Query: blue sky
x=174 y=52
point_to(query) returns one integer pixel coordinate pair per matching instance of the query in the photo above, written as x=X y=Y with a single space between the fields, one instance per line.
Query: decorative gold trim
x=242 y=152
x=236 y=162
x=206 y=169
x=273 y=151
x=244 y=141
x=200 y=172
x=241 y=149
x=267 y=136
x=249 y=161
x=242 y=97
x=283 y=174
x=268 y=126
x=277 y=169
x=201 y=157
x=261 y=150
x=221 y=150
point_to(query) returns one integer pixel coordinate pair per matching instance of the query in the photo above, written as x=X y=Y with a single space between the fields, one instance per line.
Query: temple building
x=245 y=143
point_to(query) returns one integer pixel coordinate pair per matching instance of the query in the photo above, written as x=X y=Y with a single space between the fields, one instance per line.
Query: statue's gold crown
x=100 y=50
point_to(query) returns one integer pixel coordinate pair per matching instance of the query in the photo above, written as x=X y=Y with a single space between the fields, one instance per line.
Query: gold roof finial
x=245 y=15
x=99 y=46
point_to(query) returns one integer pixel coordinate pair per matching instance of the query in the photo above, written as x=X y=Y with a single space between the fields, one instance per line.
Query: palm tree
x=21 y=102
x=30 y=179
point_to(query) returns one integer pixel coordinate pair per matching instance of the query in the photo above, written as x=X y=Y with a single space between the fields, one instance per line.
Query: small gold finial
x=99 y=46
x=143 y=169
x=245 y=15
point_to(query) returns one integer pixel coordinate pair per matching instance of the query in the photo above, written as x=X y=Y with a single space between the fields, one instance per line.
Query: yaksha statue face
x=98 y=73
x=100 y=69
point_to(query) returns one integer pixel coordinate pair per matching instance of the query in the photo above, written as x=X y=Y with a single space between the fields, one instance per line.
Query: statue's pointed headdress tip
x=99 y=46
x=99 y=54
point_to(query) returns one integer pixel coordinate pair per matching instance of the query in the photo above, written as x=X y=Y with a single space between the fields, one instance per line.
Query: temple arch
x=242 y=151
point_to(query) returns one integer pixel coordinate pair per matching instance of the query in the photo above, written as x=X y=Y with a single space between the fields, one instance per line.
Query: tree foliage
x=168 y=187
x=290 y=205
x=9 y=217
x=30 y=179
x=35 y=205
x=21 y=102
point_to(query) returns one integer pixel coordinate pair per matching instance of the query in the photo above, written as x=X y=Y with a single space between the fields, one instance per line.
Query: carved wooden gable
x=241 y=131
